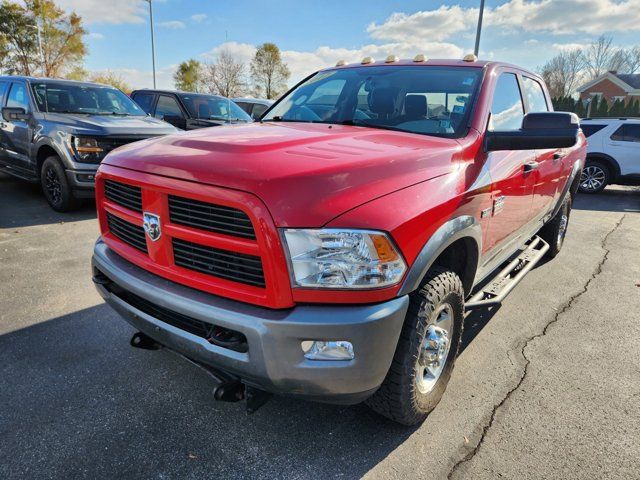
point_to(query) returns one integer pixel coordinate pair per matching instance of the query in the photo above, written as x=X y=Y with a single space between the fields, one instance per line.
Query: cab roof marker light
x=341 y=63
x=420 y=58
x=470 y=58
x=392 y=59
x=367 y=60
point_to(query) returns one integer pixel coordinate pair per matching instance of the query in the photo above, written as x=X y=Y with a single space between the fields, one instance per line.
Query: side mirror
x=540 y=130
x=176 y=120
x=11 y=114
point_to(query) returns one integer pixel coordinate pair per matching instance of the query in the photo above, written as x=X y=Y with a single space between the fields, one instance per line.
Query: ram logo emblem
x=151 y=225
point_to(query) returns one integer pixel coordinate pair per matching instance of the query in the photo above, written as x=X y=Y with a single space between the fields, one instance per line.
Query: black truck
x=188 y=111
x=57 y=132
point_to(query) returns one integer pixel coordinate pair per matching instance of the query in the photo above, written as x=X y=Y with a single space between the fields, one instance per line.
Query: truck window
x=258 y=110
x=167 y=106
x=535 y=95
x=18 y=97
x=590 y=129
x=507 y=110
x=145 y=100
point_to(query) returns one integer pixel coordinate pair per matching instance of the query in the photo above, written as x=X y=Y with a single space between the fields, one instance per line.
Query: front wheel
x=55 y=186
x=426 y=351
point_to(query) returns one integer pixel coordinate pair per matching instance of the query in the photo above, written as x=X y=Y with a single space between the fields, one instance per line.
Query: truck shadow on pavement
x=611 y=199
x=22 y=204
x=75 y=398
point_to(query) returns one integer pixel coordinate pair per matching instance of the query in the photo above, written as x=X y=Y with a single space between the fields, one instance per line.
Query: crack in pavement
x=565 y=306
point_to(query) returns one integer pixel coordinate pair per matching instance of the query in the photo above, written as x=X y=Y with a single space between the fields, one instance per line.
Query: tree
x=269 y=72
x=110 y=78
x=188 y=77
x=225 y=76
x=633 y=60
x=59 y=48
x=563 y=73
x=78 y=73
x=599 y=56
x=603 y=108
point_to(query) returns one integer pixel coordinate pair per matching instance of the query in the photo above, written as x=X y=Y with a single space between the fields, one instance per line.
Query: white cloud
x=568 y=47
x=137 y=78
x=558 y=17
x=172 y=24
x=107 y=11
x=96 y=36
x=199 y=17
x=432 y=24
x=242 y=52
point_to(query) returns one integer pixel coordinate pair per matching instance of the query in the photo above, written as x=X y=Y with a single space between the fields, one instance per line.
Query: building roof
x=629 y=82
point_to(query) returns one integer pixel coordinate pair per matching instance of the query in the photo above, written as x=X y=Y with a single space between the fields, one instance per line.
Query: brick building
x=612 y=86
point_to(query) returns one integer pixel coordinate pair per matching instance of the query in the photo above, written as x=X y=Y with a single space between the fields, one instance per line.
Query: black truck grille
x=126 y=195
x=237 y=267
x=206 y=216
x=110 y=143
x=127 y=232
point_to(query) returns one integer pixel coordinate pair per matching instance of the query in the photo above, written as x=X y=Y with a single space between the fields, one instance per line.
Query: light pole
x=153 y=51
x=479 y=30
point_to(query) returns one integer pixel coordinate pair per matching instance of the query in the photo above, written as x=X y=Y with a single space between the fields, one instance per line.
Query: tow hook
x=141 y=340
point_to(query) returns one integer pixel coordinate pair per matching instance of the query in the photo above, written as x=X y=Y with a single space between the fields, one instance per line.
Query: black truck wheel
x=426 y=351
x=555 y=229
x=55 y=186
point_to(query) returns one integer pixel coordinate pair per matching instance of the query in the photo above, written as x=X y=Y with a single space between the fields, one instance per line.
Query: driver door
x=16 y=134
x=512 y=186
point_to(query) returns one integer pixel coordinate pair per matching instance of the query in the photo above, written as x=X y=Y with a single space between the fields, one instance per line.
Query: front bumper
x=274 y=360
x=82 y=181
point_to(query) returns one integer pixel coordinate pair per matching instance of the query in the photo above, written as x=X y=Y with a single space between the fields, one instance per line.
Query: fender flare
x=568 y=189
x=465 y=226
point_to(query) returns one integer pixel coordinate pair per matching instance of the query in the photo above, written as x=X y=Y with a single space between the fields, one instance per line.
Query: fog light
x=327 y=350
x=85 y=177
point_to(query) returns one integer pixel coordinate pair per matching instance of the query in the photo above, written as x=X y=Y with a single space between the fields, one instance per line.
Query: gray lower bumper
x=274 y=361
x=82 y=182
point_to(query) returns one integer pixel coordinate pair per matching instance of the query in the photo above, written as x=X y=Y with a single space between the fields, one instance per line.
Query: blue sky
x=315 y=34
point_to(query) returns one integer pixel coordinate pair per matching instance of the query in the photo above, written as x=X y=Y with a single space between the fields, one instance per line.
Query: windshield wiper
x=122 y=114
x=360 y=123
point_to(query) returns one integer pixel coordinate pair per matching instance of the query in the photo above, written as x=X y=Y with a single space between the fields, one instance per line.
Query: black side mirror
x=11 y=114
x=540 y=130
x=176 y=120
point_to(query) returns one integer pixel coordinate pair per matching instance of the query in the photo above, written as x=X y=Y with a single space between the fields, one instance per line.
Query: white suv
x=613 y=153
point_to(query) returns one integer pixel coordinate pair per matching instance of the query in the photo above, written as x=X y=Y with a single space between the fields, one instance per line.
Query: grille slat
x=127 y=232
x=126 y=195
x=233 y=266
x=214 y=218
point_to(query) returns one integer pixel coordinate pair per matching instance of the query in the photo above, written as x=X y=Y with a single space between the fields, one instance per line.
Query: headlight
x=86 y=149
x=338 y=258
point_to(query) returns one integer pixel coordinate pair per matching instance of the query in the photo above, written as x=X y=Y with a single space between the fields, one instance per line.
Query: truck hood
x=110 y=124
x=306 y=174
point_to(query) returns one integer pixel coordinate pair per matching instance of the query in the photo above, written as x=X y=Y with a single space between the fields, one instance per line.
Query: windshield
x=211 y=107
x=89 y=99
x=417 y=99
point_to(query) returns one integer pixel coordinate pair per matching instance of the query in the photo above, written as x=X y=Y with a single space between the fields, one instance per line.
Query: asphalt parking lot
x=548 y=386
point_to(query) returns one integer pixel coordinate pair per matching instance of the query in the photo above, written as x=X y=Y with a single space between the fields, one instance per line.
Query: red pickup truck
x=329 y=250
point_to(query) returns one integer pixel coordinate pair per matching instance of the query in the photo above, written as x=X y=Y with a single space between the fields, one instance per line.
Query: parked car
x=613 y=153
x=56 y=132
x=188 y=111
x=254 y=106
x=330 y=250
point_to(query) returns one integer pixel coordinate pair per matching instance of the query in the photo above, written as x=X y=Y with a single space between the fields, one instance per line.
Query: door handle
x=531 y=166
x=557 y=156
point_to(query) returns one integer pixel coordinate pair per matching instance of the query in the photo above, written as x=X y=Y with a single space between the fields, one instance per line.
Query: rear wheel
x=426 y=351
x=555 y=229
x=595 y=177
x=55 y=186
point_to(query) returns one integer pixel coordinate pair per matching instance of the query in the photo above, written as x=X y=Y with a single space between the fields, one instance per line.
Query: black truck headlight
x=86 y=149
x=342 y=258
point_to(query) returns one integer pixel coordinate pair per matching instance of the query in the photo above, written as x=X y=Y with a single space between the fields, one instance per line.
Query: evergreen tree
x=581 y=111
x=603 y=108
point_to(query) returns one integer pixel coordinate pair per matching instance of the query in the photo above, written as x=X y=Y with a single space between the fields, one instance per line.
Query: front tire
x=55 y=186
x=595 y=176
x=555 y=230
x=426 y=351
